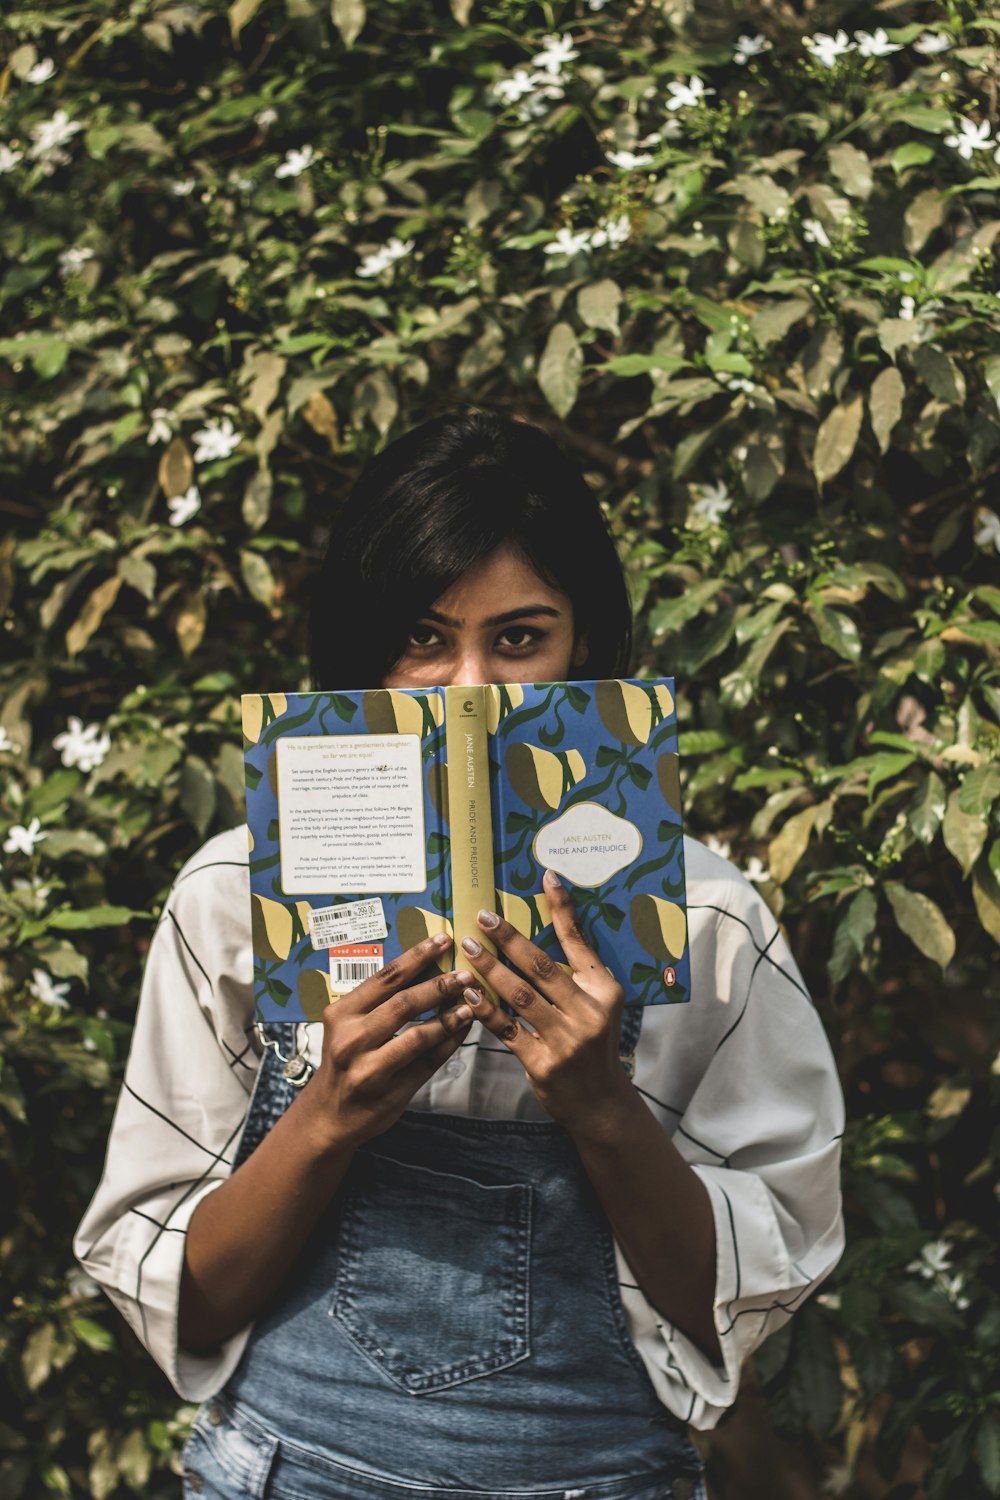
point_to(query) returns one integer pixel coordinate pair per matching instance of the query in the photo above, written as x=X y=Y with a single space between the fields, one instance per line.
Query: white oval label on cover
x=587 y=844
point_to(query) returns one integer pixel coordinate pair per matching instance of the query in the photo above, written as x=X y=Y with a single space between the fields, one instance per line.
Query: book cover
x=378 y=817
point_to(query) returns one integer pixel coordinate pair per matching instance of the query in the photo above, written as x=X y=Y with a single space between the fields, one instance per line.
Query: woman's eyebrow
x=504 y=619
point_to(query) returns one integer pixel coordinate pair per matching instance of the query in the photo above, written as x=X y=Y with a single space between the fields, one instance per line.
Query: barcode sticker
x=352 y=922
x=352 y=963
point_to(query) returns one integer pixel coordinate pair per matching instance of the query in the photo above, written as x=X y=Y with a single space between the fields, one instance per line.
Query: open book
x=379 y=817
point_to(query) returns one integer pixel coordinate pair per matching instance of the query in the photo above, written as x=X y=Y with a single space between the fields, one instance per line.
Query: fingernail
x=488 y=919
x=463 y=1013
x=462 y=977
x=474 y=997
x=552 y=878
x=472 y=948
x=441 y=940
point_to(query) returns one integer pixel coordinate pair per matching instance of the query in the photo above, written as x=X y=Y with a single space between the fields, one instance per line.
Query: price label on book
x=351 y=922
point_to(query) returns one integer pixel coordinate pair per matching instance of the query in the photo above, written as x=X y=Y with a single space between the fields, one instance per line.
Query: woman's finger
x=583 y=959
x=424 y=1048
x=539 y=969
x=397 y=974
x=515 y=1037
x=539 y=1012
x=401 y=1009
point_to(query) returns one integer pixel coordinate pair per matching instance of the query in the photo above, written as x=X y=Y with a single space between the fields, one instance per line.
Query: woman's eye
x=423 y=635
x=519 y=637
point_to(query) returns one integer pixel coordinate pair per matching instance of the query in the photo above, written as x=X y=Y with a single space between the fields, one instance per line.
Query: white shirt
x=741 y=1077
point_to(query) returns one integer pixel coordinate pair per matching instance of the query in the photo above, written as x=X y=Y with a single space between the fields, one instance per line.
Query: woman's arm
x=657 y=1205
x=246 y=1235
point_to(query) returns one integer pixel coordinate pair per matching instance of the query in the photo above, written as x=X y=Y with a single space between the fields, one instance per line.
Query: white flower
x=654 y=137
x=547 y=91
x=988 y=534
x=265 y=118
x=826 y=49
x=50 y=135
x=72 y=259
x=737 y=383
x=930 y=43
x=215 y=440
x=393 y=250
x=41 y=72
x=837 y=1480
x=82 y=747
x=160 y=432
x=184 y=187
x=756 y=870
x=907 y=307
x=21 y=840
x=556 y=52
x=813 y=231
x=6 y=743
x=952 y=1288
x=45 y=988
x=687 y=95
x=595 y=5
x=750 y=46
x=183 y=507
x=830 y=1300
x=240 y=182
x=612 y=232
x=717 y=846
x=568 y=242
x=510 y=90
x=876 y=43
x=628 y=161
x=296 y=162
x=79 y=1284
x=934 y=1260
x=970 y=138
x=713 y=501
x=9 y=159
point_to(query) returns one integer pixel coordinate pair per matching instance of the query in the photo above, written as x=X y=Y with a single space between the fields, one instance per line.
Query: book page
x=350 y=814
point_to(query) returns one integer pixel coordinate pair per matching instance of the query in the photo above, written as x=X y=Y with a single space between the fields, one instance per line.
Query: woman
x=484 y=1211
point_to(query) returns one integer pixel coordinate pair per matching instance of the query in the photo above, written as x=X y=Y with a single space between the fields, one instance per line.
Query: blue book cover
x=378 y=817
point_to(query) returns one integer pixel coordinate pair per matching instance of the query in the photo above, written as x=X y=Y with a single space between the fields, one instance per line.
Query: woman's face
x=499 y=623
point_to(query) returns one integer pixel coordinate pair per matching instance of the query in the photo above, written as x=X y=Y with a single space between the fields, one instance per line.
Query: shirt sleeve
x=180 y=1113
x=756 y=1109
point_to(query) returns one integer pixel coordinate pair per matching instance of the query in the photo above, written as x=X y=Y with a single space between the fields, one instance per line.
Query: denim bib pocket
x=432 y=1279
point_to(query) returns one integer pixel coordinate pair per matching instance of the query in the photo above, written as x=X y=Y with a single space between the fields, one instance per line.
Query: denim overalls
x=453 y=1331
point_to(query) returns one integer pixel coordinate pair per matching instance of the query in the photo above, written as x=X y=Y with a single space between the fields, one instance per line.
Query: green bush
x=745 y=271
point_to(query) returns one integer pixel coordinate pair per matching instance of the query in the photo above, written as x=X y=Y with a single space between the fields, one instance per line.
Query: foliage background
x=772 y=341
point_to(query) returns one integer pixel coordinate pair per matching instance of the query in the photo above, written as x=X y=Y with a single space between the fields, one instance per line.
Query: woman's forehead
x=502 y=581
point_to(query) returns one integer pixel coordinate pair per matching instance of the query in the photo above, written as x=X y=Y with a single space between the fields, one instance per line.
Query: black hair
x=430 y=505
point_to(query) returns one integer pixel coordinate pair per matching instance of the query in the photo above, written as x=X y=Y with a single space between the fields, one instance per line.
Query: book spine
x=469 y=813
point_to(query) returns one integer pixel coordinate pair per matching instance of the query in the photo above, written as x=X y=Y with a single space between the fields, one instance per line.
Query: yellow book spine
x=470 y=815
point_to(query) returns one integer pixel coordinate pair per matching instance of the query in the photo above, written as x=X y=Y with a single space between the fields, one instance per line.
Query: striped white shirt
x=741 y=1078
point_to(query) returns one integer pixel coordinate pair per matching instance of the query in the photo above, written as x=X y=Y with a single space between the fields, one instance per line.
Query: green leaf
x=94 y=1335
x=923 y=922
x=837 y=439
x=852 y=169
x=940 y=374
x=198 y=793
x=964 y=833
x=927 y=809
x=821 y=359
x=240 y=13
x=349 y=18
x=986 y=895
x=559 y=369
x=37 y=1356
x=787 y=847
x=770 y=323
x=980 y=789
x=836 y=630
x=885 y=404
x=72 y=920
x=987 y=1447
x=925 y=214
x=851 y=937
x=641 y=364
x=598 y=305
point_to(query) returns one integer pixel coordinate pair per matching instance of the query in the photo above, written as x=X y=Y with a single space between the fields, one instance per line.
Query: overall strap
x=629 y=1039
x=283 y=1070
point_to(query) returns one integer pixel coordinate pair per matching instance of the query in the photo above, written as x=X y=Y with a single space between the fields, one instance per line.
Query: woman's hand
x=570 y=1052
x=370 y=1068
